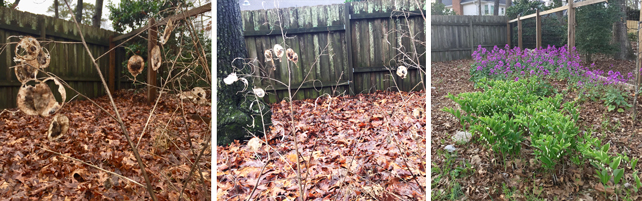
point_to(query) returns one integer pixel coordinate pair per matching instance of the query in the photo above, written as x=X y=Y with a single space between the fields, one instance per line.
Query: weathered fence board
x=336 y=53
x=70 y=61
x=455 y=37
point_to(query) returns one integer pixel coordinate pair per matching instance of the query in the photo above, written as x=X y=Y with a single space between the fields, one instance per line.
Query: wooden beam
x=277 y=31
x=151 y=74
x=190 y=13
x=472 y=44
x=384 y=15
x=587 y=2
x=308 y=85
x=467 y=24
x=112 y=66
x=508 y=34
x=561 y=8
x=348 y=28
x=571 y=26
x=519 y=34
x=538 y=30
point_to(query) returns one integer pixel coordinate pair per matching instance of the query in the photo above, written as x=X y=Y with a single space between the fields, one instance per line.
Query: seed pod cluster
x=30 y=57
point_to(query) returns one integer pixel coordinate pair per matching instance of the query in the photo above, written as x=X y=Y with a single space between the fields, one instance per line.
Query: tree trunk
x=508 y=4
x=56 y=9
x=496 y=10
x=79 y=11
x=98 y=14
x=440 y=1
x=233 y=109
x=480 y=11
x=620 y=33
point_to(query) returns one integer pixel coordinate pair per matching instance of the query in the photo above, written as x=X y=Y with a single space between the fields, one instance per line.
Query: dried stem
x=120 y=121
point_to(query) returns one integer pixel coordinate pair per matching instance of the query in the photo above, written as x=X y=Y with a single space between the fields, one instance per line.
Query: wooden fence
x=69 y=60
x=632 y=26
x=455 y=37
x=354 y=43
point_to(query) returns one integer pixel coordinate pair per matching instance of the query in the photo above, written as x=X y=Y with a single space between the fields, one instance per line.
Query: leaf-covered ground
x=365 y=147
x=28 y=171
x=479 y=176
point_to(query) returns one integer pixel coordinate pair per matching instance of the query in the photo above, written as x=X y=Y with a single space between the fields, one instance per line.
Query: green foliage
x=524 y=7
x=88 y=11
x=440 y=9
x=594 y=28
x=632 y=36
x=131 y=15
x=615 y=99
x=508 y=109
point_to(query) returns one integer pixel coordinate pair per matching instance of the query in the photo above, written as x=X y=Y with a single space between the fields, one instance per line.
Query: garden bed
x=475 y=172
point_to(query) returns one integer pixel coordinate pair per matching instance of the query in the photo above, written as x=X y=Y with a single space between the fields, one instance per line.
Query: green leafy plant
x=615 y=99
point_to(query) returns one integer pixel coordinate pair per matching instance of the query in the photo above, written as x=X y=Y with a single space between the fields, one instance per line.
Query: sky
x=40 y=7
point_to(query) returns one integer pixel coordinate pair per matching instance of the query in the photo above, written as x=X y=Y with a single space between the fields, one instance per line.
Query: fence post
x=151 y=74
x=637 y=75
x=347 y=26
x=538 y=29
x=519 y=33
x=571 y=27
x=472 y=42
x=112 y=66
x=508 y=34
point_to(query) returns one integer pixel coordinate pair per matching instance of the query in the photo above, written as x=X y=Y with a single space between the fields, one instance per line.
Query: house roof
x=450 y=2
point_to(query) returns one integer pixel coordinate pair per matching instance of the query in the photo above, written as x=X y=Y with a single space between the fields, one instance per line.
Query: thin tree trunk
x=496 y=10
x=56 y=9
x=15 y=4
x=480 y=11
x=508 y=4
x=79 y=11
x=98 y=14
x=619 y=33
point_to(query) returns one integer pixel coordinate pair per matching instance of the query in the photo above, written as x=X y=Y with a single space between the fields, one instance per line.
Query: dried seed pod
x=37 y=100
x=268 y=55
x=231 y=78
x=43 y=58
x=27 y=49
x=199 y=92
x=26 y=70
x=245 y=83
x=59 y=126
x=156 y=58
x=167 y=33
x=278 y=50
x=259 y=92
x=135 y=65
x=402 y=72
x=292 y=56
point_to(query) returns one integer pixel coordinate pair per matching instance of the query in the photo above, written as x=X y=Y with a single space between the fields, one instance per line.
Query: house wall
x=471 y=9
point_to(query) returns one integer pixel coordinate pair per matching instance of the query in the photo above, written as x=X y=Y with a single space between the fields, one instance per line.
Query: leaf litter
x=368 y=146
x=31 y=168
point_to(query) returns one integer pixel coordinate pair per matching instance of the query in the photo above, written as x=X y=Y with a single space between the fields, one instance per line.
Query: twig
x=120 y=121
x=83 y=162
x=198 y=158
x=257 y=180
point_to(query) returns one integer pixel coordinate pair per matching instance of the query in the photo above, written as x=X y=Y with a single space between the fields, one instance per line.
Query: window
x=492 y=9
x=501 y=11
x=486 y=9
